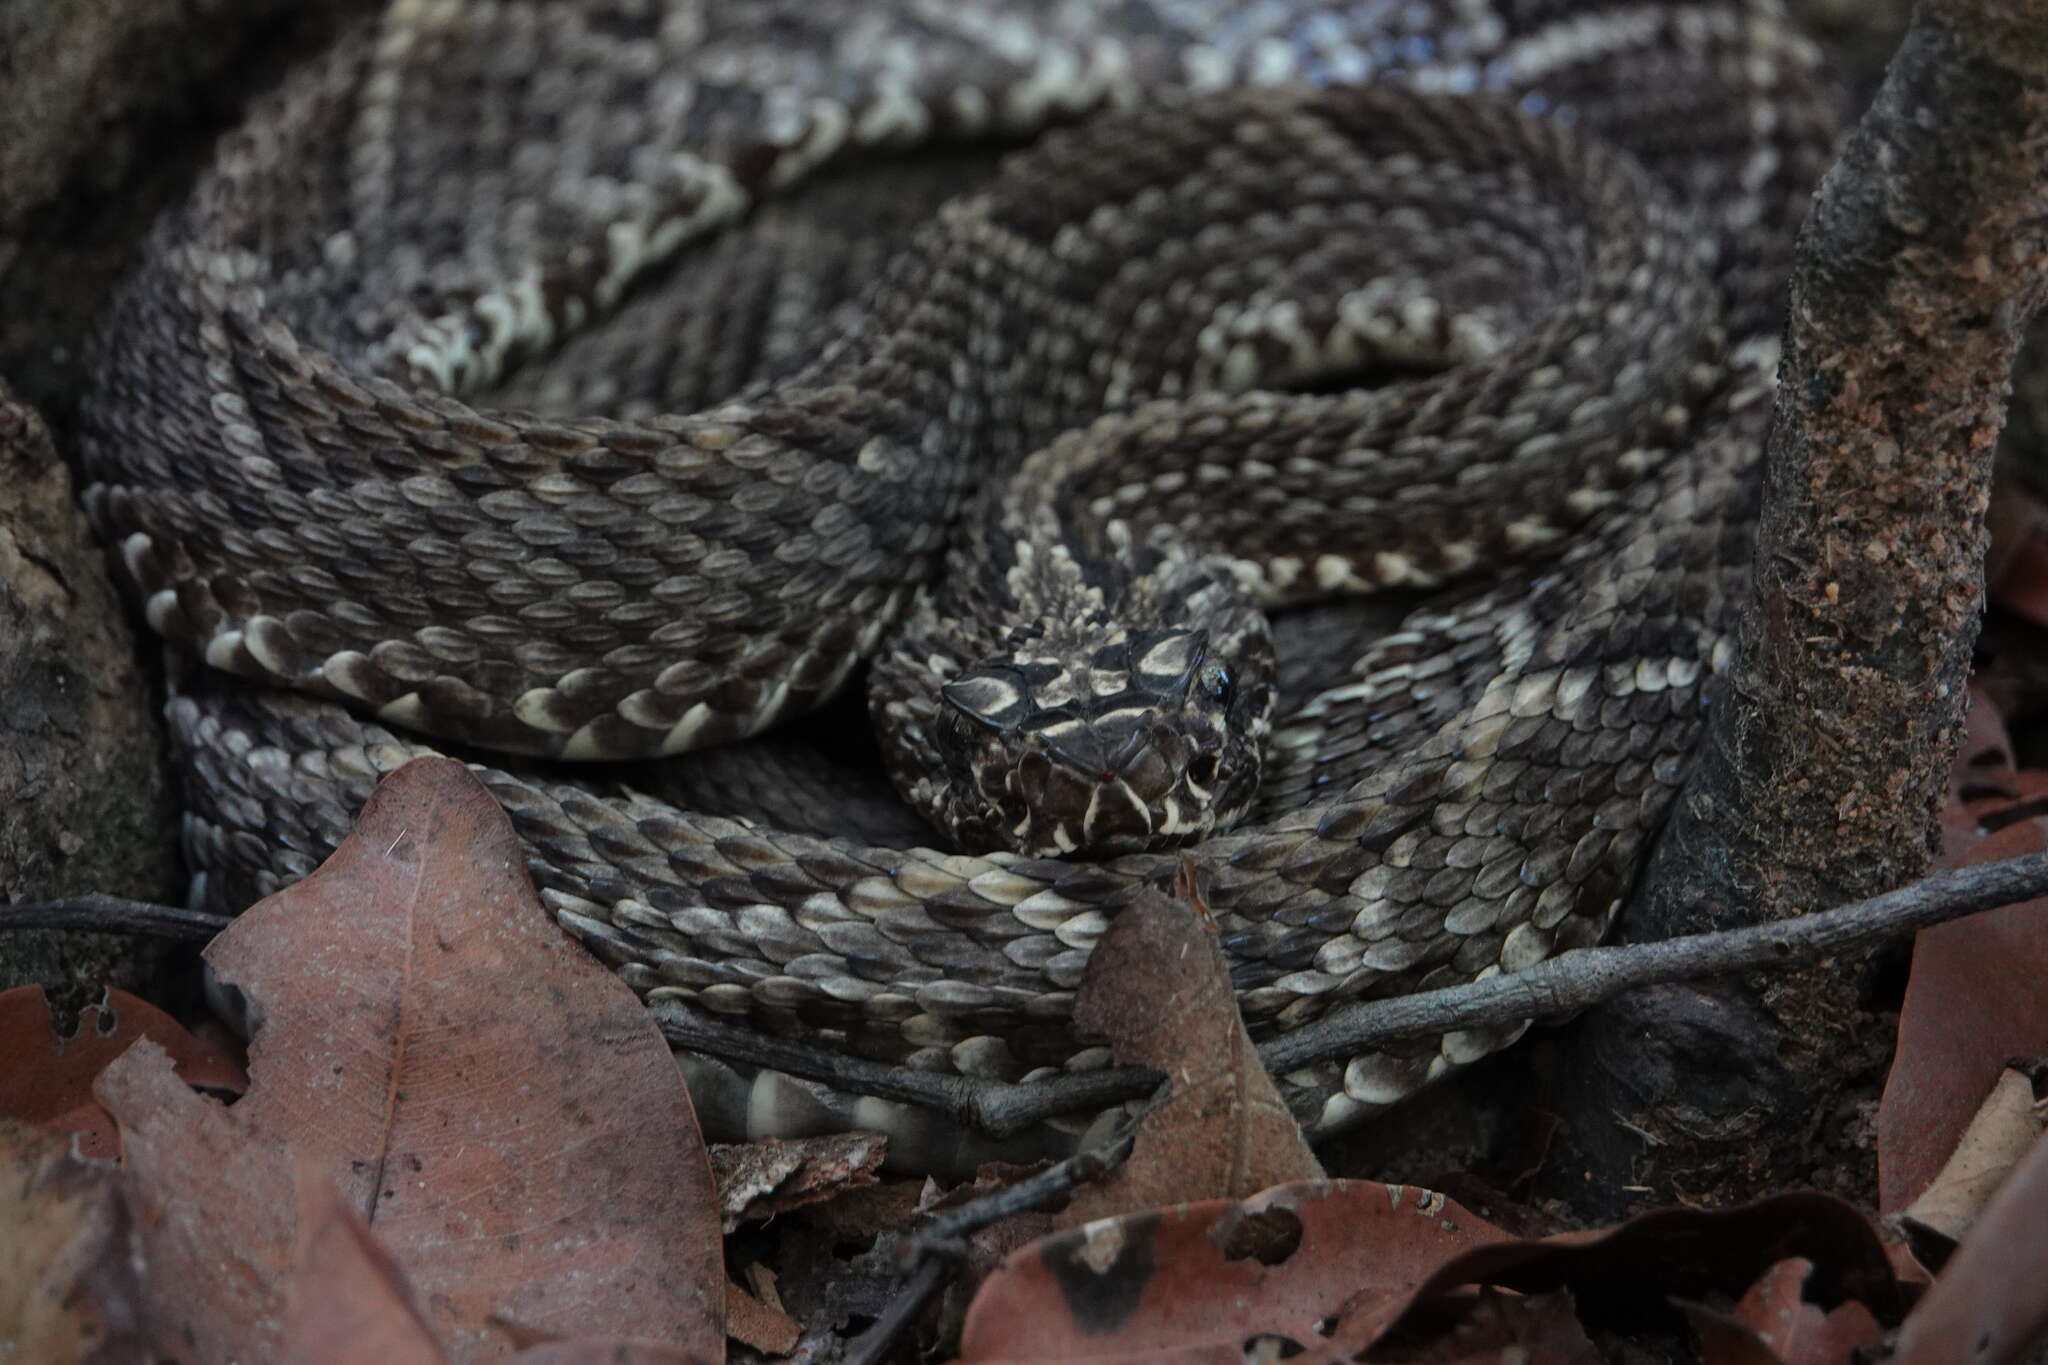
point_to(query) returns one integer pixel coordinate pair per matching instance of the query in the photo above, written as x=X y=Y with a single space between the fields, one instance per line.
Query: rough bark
x=84 y=801
x=1827 y=758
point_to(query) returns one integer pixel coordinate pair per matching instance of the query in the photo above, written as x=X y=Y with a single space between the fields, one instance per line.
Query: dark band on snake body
x=296 y=447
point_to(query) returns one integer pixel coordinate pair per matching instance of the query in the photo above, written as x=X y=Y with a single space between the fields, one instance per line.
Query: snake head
x=1145 y=740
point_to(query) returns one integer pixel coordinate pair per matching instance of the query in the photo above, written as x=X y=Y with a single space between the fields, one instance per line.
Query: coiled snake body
x=1467 y=299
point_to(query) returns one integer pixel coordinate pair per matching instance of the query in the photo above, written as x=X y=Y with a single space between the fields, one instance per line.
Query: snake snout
x=1126 y=781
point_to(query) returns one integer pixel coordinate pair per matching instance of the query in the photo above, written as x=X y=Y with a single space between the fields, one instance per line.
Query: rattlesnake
x=343 y=439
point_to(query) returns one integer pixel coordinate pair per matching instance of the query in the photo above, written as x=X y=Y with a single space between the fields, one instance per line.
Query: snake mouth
x=1148 y=740
x=1116 y=785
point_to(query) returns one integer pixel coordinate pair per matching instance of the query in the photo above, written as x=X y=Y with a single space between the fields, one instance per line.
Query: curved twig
x=1563 y=985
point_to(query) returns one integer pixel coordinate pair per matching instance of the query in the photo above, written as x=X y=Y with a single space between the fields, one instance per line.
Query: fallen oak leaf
x=213 y=1199
x=495 y=1102
x=349 y=1300
x=1204 y=1277
x=351 y=1304
x=48 y=1077
x=1158 y=989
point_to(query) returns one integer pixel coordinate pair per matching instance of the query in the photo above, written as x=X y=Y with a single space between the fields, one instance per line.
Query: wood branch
x=97 y=914
x=1825 y=764
x=1925 y=255
x=1563 y=985
x=1573 y=981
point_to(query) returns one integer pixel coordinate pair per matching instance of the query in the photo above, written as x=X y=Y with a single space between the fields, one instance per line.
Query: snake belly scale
x=610 y=380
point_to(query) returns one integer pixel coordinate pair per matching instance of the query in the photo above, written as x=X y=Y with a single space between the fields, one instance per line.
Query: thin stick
x=97 y=914
x=938 y=1248
x=1565 y=984
x=1575 y=980
x=968 y=1100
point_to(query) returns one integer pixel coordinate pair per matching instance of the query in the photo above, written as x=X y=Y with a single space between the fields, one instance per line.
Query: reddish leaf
x=348 y=1299
x=1974 y=1000
x=1158 y=989
x=48 y=1077
x=496 y=1102
x=1690 y=1254
x=1999 y=1137
x=1990 y=1302
x=1773 y=1322
x=1199 y=1279
x=351 y=1304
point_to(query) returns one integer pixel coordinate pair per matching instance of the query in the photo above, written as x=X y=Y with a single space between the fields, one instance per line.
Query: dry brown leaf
x=1974 y=1001
x=2004 y=1130
x=351 y=1304
x=48 y=1078
x=348 y=1300
x=67 y=1266
x=496 y=1103
x=214 y=1201
x=1204 y=1277
x=761 y=1325
x=1990 y=1303
x=1158 y=989
x=861 y=1214
x=762 y=1179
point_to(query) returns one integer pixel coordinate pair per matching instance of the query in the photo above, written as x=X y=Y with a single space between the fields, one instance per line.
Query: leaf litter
x=48 y=1080
x=462 y=1140
x=492 y=1103
x=1974 y=1001
x=1158 y=990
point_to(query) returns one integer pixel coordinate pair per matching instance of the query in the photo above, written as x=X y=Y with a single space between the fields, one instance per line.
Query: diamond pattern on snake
x=599 y=390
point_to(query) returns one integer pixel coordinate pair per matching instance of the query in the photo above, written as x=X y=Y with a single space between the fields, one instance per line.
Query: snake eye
x=1218 y=683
